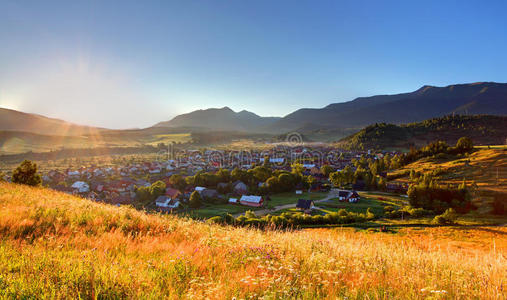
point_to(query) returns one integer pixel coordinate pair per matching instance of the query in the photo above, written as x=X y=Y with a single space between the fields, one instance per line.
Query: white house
x=166 y=202
x=81 y=187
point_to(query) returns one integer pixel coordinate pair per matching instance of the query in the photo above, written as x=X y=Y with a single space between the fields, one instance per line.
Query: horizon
x=238 y=111
x=132 y=65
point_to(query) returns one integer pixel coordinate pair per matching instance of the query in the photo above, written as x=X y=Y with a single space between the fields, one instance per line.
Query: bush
x=448 y=217
x=216 y=220
x=195 y=200
x=26 y=173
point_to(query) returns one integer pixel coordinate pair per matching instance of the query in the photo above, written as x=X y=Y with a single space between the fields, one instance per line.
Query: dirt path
x=262 y=212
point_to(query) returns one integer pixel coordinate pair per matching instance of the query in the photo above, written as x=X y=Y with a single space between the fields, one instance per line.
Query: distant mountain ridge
x=12 y=120
x=424 y=103
x=489 y=98
x=220 y=119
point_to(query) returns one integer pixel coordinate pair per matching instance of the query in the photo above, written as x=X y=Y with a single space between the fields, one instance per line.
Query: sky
x=131 y=64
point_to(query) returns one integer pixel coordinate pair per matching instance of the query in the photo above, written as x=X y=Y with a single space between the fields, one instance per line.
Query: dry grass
x=58 y=246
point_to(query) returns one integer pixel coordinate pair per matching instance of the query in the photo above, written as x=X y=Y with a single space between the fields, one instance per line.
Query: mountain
x=220 y=119
x=424 y=103
x=482 y=129
x=12 y=120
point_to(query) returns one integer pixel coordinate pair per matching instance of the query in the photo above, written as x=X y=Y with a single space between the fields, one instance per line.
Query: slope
x=56 y=245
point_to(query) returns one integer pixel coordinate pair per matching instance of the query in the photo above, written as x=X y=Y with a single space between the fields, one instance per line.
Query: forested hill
x=482 y=129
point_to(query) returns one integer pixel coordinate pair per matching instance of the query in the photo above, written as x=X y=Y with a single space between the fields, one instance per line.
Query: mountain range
x=425 y=103
x=220 y=119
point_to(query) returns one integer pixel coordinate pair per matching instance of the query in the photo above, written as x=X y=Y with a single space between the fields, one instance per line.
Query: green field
x=211 y=210
x=374 y=200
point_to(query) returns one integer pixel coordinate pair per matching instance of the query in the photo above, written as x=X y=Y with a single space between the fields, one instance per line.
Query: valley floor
x=57 y=246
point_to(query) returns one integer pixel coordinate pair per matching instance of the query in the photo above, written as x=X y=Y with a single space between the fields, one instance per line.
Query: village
x=174 y=178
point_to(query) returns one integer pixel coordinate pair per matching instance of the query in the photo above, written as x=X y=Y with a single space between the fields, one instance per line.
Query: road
x=332 y=194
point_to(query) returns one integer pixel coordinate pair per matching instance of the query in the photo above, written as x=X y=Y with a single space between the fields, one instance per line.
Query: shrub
x=448 y=217
x=195 y=200
x=216 y=220
x=26 y=173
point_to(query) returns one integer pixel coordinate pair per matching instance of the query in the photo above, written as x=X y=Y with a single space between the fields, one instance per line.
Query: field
x=12 y=142
x=59 y=246
x=276 y=200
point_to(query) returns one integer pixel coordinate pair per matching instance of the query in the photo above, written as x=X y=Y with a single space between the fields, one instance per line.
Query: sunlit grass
x=60 y=246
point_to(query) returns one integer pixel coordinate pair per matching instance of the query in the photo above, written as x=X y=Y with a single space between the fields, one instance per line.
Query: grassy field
x=211 y=210
x=20 y=142
x=373 y=200
x=487 y=168
x=57 y=246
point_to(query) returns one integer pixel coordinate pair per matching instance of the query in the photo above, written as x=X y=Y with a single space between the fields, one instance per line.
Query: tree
x=297 y=169
x=26 y=173
x=326 y=170
x=177 y=181
x=285 y=181
x=464 y=144
x=272 y=184
x=224 y=175
x=2 y=176
x=195 y=200
x=157 y=189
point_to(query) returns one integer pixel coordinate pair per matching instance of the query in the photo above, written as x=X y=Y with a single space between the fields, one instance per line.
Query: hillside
x=424 y=103
x=486 y=168
x=56 y=245
x=482 y=129
x=12 y=120
x=15 y=142
x=220 y=119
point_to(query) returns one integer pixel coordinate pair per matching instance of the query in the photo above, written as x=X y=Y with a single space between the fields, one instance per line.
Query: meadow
x=57 y=246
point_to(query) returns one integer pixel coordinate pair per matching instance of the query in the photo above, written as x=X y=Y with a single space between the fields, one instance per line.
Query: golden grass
x=486 y=167
x=57 y=246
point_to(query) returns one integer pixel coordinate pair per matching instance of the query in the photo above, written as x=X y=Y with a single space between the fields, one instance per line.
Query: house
x=209 y=193
x=166 y=202
x=348 y=196
x=255 y=201
x=240 y=188
x=80 y=187
x=305 y=205
x=199 y=189
x=233 y=201
x=172 y=193
x=119 y=199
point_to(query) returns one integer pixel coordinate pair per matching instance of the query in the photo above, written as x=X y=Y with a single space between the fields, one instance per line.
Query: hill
x=14 y=142
x=56 y=245
x=485 y=172
x=12 y=120
x=424 y=103
x=482 y=129
x=223 y=119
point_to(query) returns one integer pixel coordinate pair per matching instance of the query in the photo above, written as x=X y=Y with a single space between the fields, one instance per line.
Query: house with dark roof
x=348 y=196
x=305 y=205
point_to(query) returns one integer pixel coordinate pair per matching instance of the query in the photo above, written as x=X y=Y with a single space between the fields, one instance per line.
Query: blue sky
x=123 y=64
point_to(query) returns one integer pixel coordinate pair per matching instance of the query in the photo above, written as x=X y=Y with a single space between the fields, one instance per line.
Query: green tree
x=326 y=170
x=224 y=175
x=157 y=189
x=272 y=184
x=177 y=181
x=195 y=200
x=285 y=181
x=26 y=173
x=465 y=144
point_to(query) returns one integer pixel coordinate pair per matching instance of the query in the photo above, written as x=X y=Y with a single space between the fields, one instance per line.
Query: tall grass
x=57 y=246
